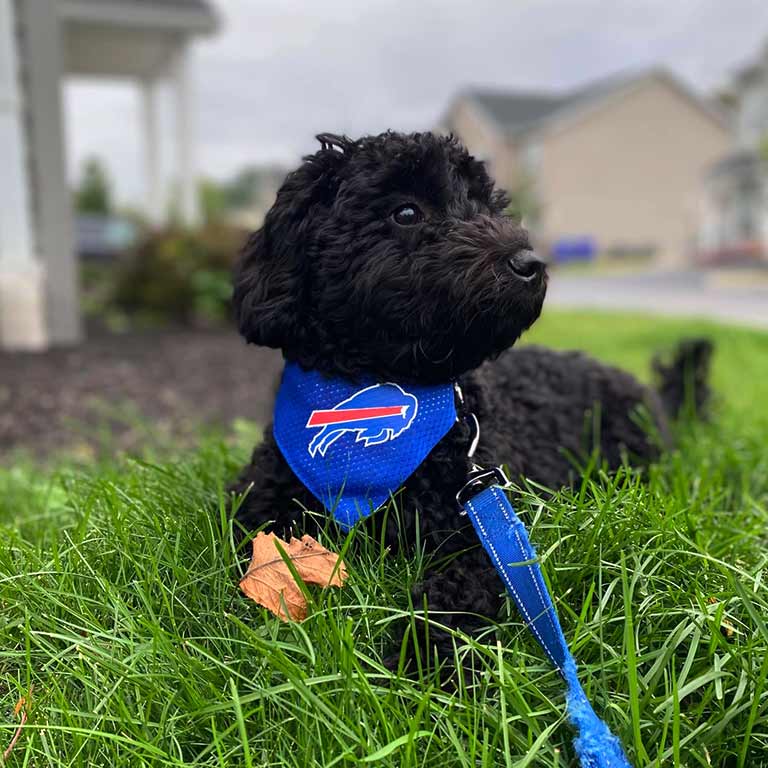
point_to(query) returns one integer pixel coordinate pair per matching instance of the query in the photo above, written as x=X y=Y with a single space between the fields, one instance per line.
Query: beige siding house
x=615 y=168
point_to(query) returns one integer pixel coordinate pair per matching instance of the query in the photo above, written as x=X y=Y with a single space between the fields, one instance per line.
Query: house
x=612 y=168
x=41 y=43
x=735 y=204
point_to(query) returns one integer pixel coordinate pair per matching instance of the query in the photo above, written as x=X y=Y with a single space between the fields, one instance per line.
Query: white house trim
x=41 y=42
x=44 y=63
x=154 y=185
x=182 y=83
x=22 y=320
x=15 y=224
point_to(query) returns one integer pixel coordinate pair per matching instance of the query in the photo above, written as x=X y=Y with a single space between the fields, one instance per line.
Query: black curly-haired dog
x=392 y=256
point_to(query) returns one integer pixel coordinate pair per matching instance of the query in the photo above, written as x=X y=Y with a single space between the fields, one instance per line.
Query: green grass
x=119 y=608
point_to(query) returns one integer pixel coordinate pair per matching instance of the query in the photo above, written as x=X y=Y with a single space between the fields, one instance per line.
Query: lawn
x=120 y=613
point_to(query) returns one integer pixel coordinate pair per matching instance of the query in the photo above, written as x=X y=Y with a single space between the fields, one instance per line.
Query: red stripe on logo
x=323 y=418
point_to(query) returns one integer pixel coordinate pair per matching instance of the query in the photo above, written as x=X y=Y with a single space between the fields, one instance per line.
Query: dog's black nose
x=527 y=264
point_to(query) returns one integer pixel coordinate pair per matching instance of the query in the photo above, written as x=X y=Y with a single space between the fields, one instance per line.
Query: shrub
x=179 y=276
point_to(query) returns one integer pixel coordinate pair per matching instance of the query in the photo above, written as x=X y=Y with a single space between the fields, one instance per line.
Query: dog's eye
x=407 y=215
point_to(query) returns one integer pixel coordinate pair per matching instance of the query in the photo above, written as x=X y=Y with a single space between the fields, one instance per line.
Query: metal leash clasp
x=479 y=478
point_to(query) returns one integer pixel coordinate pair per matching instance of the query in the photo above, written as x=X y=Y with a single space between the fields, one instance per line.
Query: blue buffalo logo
x=375 y=415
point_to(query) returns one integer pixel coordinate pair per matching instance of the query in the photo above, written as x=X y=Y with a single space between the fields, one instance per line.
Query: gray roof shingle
x=515 y=110
x=518 y=111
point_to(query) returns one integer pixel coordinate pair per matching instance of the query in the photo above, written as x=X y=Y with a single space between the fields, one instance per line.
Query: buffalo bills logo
x=374 y=415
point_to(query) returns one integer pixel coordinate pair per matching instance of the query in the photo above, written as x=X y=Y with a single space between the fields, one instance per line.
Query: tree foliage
x=94 y=194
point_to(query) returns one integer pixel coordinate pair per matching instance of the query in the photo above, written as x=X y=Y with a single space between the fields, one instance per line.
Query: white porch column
x=22 y=305
x=54 y=220
x=182 y=85
x=156 y=204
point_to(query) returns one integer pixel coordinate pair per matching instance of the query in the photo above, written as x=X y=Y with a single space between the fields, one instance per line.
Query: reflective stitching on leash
x=547 y=609
x=501 y=567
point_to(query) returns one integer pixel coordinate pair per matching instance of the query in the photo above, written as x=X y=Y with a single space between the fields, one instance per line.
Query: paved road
x=676 y=293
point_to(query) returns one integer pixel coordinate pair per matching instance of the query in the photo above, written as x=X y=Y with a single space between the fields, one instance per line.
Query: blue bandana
x=354 y=444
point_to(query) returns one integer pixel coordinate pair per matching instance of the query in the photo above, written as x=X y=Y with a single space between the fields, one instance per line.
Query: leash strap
x=506 y=541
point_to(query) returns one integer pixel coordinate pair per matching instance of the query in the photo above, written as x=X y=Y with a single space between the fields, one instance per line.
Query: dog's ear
x=269 y=286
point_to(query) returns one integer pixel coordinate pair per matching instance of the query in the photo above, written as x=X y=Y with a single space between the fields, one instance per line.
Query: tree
x=213 y=200
x=94 y=195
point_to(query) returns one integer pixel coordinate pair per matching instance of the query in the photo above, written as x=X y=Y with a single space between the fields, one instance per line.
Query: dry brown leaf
x=270 y=583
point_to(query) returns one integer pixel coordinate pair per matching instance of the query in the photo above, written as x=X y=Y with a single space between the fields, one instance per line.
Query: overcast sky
x=282 y=70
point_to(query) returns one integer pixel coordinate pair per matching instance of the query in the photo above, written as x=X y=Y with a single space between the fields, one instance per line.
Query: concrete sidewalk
x=691 y=293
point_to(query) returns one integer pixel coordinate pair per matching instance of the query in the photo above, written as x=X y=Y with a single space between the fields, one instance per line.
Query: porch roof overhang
x=190 y=16
x=129 y=38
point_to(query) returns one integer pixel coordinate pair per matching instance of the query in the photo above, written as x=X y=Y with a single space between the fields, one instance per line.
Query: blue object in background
x=573 y=249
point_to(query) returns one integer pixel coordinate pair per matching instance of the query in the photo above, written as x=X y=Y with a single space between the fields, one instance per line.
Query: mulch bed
x=115 y=392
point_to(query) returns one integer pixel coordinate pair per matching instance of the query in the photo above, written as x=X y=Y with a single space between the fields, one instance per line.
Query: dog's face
x=389 y=255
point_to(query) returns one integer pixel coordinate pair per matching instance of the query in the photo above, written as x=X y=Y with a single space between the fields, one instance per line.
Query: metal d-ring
x=459 y=396
x=471 y=418
x=475 y=424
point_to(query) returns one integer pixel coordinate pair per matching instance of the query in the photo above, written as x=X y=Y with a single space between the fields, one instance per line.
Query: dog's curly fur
x=344 y=282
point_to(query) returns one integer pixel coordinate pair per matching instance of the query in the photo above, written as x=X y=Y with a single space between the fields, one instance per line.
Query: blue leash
x=506 y=541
